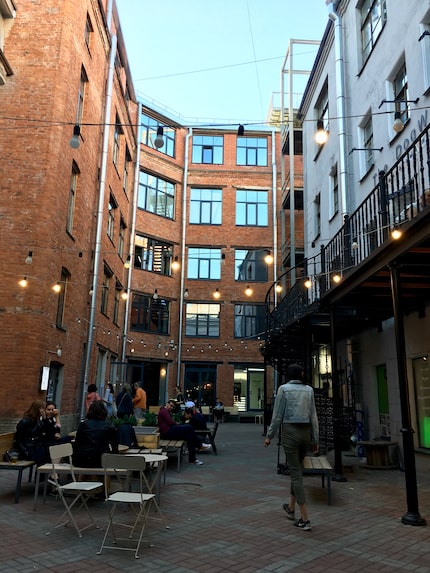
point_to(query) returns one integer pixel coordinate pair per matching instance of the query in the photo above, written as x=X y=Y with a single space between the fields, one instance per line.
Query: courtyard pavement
x=227 y=516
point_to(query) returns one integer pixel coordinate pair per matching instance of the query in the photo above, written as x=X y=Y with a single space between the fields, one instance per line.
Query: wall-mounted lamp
x=75 y=141
x=240 y=131
x=159 y=140
x=56 y=288
x=58 y=351
x=366 y=149
x=175 y=264
x=396 y=233
x=127 y=263
x=321 y=134
x=23 y=282
x=398 y=124
x=248 y=291
x=216 y=293
x=308 y=283
x=397 y=101
x=29 y=258
x=268 y=259
x=186 y=293
x=155 y=295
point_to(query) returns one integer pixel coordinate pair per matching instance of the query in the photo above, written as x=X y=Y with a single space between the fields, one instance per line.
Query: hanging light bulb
x=175 y=264
x=75 y=141
x=268 y=259
x=186 y=293
x=278 y=288
x=240 y=130
x=398 y=124
x=216 y=293
x=248 y=291
x=159 y=140
x=321 y=134
x=155 y=295
x=23 y=282
x=124 y=295
x=308 y=283
x=29 y=258
x=396 y=233
x=127 y=262
x=56 y=288
x=337 y=278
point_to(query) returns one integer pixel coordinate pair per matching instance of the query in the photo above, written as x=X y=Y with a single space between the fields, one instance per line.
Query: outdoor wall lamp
x=398 y=124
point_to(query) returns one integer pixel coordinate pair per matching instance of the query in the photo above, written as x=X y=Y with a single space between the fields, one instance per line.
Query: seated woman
x=31 y=437
x=53 y=425
x=95 y=437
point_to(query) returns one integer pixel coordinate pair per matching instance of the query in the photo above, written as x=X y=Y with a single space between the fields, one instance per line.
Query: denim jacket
x=294 y=404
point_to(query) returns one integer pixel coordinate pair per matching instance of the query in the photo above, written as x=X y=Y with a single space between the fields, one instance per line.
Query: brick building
x=157 y=249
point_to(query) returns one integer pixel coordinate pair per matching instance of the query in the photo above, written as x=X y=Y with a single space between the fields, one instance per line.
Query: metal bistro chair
x=80 y=491
x=139 y=499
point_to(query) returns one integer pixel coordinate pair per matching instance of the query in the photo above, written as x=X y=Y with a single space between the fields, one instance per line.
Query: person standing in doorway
x=295 y=409
x=139 y=401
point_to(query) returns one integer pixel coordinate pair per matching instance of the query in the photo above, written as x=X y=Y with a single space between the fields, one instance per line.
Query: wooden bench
x=319 y=465
x=210 y=433
x=6 y=443
x=173 y=447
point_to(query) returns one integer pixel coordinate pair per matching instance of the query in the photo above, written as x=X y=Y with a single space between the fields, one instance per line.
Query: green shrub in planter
x=150 y=419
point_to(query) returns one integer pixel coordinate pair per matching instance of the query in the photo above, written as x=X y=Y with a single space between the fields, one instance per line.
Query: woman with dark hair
x=91 y=396
x=31 y=438
x=95 y=437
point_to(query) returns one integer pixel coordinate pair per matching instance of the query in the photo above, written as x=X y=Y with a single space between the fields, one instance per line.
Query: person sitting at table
x=95 y=436
x=53 y=425
x=195 y=419
x=218 y=410
x=171 y=430
x=31 y=439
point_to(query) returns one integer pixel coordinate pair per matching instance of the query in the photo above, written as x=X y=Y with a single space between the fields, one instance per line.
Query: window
x=116 y=142
x=425 y=50
x=121 y=237
x=72 y=198
x=251 y=151
x=322 y=107
x=81 y=96
x=149 y=134
x=107 y=276
x=249 y=320
x=373 y=17
x=367 y=134
x=88 y=32
x=156 y=195
x=61 y=304
x=112 y=207
x=251 y=208
x=208 y=149
x=334 y=193
x=202 y=319
x=317 y=215
x=204 y=263
x=152 y=255
x=149 y=314
x=127 y=168
x=250 y=265
x=401 y=94
x=206 y=206
x=116 y=302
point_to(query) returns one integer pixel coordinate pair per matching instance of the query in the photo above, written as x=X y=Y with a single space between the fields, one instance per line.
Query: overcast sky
x=216 y=60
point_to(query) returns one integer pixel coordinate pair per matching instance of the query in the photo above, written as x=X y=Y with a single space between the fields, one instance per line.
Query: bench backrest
x=6 y=442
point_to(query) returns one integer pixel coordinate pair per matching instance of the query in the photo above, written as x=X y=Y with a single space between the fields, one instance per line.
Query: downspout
x=292 y=152
x=102 y=186
x=183 y=239
x=274 y=211
x=132 y=238
x=340 y=98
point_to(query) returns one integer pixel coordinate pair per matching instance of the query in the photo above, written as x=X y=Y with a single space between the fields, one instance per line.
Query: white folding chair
x=139 y=500
x=79 y=491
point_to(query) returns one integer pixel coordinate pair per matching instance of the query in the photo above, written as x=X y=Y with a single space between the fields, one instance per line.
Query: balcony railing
x=400 y=195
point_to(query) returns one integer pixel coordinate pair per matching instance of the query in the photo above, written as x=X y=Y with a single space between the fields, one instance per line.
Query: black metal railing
x=400 y=194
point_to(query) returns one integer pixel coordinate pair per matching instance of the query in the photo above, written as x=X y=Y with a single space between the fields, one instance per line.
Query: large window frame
x=373 y=15
x=61 y=302
x=205 y=206
x=208 y=149
x=73 y=185
x=149 y=127
x=156 y=195
x=204 y=263
x=251 y=151
x=249 y=320
x=252 y=208
x=202 y=319
x=153 y=255
x=250 y=265
x=149 y=314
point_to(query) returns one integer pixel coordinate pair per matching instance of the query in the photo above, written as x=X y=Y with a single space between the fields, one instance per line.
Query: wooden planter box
x=147 y=436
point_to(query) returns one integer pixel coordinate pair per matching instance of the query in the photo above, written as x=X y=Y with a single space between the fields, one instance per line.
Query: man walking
x=139 y=401
x=295 y=409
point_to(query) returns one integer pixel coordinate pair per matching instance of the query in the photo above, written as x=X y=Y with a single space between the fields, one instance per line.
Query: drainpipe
x=340 y=98
x=132 y=240
x=183 y=238
x=274 y=210
x=100 y=222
